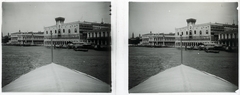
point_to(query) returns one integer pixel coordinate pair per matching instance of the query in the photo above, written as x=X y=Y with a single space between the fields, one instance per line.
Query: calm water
x=145 y=62
x=17 y=60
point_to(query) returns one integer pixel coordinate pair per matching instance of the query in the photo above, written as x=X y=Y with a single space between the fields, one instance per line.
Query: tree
x=5 y=39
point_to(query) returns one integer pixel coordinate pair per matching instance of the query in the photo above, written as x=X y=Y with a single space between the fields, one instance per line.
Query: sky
x=34 y=16
x=164 y=17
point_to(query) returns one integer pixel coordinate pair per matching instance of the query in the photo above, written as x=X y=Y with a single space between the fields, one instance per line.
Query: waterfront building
x=158 y=39
x=100 y=35
x=195 y=34
x=229 y=37
x=23 y=38
x=64 y=33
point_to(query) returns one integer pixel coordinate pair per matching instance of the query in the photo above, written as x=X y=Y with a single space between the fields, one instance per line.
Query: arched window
x=206 y=31
x=200 y=32
x=75 y=30
x=46 y=32
x=69 y=31
x=186 y=32
x=55 y=31
x=59 y=31
x=50 y=31
x=63 y=30
x=177 y=33
x=190 y=32
x=194 y=31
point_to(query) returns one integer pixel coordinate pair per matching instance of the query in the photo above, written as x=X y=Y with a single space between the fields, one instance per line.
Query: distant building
x=158 y=39
x=134 y=40
x=192 y=34
x=33 y=38
x=64 y=33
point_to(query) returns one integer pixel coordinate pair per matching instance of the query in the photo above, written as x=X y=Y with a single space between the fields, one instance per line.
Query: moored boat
x=212 y=51
x=80 y=49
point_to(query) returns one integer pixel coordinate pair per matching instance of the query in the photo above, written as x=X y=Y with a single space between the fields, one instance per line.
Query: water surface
x=145 y=62
x=17 y=60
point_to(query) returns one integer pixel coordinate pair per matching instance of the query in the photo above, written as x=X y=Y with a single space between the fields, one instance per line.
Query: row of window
x=227 y=36
x=182 y=29
x=85 y=25
x=162 y=39
x=34 y=37
x=190 y=33
x=63 y=26
x=98 y=34
x=59 y=31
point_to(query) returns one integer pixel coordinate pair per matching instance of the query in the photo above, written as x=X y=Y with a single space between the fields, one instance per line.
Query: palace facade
x=64 y=33
x=194 y=34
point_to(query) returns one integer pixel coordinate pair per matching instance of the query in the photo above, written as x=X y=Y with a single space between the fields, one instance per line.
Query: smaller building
x=228 y=37
x=100 y=35
x=23 y=38
x=158 y=39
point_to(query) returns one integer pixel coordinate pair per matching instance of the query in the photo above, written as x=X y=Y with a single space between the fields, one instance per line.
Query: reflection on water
x=18 y=60
x=145 y=62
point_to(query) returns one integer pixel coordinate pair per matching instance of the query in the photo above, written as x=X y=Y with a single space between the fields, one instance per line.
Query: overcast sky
x=162 y=17
x=34 y=16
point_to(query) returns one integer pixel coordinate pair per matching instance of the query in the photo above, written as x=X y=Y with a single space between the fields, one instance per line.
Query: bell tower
x=190 y=23
x=59 y=22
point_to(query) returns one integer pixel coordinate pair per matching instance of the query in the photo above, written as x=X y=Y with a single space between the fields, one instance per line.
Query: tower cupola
x=59 y=20
x=191 y=21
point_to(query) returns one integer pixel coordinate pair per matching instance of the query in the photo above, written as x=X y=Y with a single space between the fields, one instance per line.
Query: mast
x=163 y=39
x=32 y=39
x=181 y=48
x=51 y=47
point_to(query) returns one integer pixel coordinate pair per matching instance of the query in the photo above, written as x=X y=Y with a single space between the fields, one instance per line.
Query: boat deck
x=56 y=78
x=183 y=78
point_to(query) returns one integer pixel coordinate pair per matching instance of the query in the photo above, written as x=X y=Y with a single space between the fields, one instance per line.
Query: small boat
x=212 y=51
x=80 y=49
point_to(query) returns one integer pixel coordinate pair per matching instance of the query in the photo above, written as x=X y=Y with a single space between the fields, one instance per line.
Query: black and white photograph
x=56 y=47
x=183 y=47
